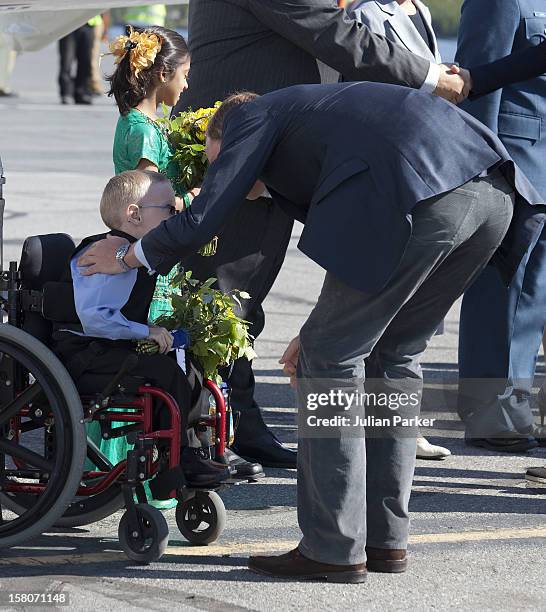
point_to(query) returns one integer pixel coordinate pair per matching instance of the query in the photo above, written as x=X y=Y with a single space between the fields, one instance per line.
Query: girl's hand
x=193 y=193
x=180 y=204
x=162 y=337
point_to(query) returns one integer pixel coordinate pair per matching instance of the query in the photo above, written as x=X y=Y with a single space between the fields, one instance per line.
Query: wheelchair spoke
x=30 y=457
x=27 y=396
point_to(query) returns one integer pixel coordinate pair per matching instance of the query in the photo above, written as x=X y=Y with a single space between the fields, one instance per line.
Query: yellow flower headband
x=142 y=47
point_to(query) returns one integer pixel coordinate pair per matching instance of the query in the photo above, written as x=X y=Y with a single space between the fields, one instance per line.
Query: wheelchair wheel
x=150 y=544
x=81 y=511
x=202 y=518
x=42 y=437
x=88 y=510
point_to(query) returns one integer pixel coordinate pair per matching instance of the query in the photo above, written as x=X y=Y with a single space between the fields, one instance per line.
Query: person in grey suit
x=262 y=46
x=501 y=328
x=402 y=224
x=406 y=22
x=409 y=23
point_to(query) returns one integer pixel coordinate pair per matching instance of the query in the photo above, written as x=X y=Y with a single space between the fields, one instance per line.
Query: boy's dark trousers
x=160 y=371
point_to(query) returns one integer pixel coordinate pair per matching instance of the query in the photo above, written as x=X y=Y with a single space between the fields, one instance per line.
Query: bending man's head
x=215 y=131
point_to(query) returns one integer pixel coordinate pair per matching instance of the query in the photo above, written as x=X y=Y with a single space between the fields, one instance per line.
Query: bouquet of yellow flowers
x=187 y=134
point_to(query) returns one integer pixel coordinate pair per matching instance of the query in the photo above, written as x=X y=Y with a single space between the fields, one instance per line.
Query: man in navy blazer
x=501 y=328
x=405 y=198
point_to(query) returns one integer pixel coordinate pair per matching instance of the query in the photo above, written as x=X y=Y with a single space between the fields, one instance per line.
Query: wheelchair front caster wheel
x=202 y=518
x=147 y=543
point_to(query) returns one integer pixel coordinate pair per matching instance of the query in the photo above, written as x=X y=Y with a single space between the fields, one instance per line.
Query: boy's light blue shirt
x=99 y=299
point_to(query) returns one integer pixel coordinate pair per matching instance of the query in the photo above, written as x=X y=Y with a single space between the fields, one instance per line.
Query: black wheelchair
x=51 y=472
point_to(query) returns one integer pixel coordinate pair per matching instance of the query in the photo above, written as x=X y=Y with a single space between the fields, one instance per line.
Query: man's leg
x=529 y=321
x=67 y=54
x=500 y=334
x=343 y=329
x=7 y=64
x=96 y=85
x=251 y=250
x=396 y=358
x=84 y=46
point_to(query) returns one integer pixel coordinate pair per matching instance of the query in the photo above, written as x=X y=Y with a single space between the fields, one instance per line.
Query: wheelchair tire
x=155 y=530
x=81 y=511
x=43 y=510
x=93 y=509
x=202 y=518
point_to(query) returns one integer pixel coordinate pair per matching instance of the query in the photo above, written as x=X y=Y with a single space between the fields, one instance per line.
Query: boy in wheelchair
x=113 y=314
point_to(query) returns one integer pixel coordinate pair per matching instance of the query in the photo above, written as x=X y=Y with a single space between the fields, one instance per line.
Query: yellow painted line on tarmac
x=245 y=548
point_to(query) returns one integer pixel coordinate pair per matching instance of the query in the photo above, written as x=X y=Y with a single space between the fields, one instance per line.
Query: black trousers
x=92 y=371
x=251 y=250
x=76 y=47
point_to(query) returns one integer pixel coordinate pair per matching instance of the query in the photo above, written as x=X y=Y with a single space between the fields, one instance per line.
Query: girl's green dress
x=139 y=137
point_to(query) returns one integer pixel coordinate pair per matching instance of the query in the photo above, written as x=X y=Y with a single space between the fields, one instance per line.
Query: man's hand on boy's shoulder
x=101 y=257
x=162 y=337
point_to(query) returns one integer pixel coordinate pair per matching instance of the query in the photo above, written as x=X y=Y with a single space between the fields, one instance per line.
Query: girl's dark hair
x=215 y=128
x=128 y=89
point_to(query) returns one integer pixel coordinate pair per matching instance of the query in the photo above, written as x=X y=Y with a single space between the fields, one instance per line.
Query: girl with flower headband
x=152 y=68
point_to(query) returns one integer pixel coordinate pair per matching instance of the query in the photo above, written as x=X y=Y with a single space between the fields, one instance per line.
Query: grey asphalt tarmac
x=478 y=532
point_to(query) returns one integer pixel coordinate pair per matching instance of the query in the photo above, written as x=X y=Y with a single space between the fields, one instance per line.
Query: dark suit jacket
x=350 y=160
x=527 y=63
x=263 y=45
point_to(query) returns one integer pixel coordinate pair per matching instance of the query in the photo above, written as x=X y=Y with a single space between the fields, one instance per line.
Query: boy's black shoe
x=200 y=471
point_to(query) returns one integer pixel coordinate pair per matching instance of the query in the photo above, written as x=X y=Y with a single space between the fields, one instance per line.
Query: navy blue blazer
x=489 y=30
x=351 y=161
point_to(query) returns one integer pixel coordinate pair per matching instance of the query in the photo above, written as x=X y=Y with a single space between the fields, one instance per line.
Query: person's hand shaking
x=454 y=83
x=290 y=358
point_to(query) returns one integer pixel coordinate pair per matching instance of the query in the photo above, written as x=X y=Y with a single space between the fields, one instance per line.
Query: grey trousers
x=354 y=491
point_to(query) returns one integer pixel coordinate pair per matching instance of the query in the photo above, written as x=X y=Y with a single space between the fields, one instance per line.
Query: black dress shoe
x=268 y=451
x=536 y=476
x=256 y=443
x=242 y=468
x=294 y=565
x=514 y=444
x=83 y=99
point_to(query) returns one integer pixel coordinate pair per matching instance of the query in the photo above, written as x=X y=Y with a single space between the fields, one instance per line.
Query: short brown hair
x=124 y=189
x=215 y=128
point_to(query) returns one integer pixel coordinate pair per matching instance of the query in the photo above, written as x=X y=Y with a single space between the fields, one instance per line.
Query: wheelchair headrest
x=44 y=258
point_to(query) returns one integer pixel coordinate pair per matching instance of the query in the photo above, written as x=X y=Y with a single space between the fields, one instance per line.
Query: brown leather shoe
x=294 y=565
x=388 y=560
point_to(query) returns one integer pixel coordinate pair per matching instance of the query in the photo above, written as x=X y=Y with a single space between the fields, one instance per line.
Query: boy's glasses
x=171 y=208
